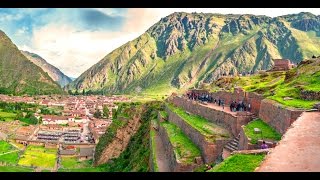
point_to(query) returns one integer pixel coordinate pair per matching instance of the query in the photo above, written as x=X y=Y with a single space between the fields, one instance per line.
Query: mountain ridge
x=18 y=75
x=184 y=50
x=53 y=71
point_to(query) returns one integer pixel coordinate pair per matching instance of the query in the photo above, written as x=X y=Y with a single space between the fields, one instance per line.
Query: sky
x=75 y=39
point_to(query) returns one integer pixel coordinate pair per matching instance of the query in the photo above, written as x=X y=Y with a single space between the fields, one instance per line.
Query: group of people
x=240 y=106
x=205 y=97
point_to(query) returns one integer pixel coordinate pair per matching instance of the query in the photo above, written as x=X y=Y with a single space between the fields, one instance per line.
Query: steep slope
x=298 y=87
x=20 y=76
x=52 y=71
x=184 y=50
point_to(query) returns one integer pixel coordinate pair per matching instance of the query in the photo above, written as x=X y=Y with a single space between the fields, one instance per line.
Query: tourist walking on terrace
x=264 y=145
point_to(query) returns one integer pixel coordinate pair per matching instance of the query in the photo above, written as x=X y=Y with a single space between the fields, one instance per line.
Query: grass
x=164 y=114
x=267 y=131
x=154 y=155
x=185 y=150
x=239 y=163
x=73 y=163
x=91 y=169
x=281 y=84
x=38 y=156
x=7 y=116
x=10 y=158
x=206 y=128
x=5 y=147
x=15 y=169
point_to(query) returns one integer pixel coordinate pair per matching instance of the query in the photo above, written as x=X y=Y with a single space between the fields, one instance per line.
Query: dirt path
x=299 y=148
x=162 y=160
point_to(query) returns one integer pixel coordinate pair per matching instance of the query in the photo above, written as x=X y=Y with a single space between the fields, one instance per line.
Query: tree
x=105 y=111
x=83 y=92
x=97 y=114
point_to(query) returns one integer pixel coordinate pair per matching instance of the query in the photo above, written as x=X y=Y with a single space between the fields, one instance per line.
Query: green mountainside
x=20 y=76
x=184 y=50
x=298 y=87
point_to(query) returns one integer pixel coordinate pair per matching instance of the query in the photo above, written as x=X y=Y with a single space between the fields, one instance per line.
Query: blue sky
x=75 y=39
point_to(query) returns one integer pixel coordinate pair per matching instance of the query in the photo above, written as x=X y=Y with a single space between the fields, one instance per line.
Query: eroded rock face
x=121 y=140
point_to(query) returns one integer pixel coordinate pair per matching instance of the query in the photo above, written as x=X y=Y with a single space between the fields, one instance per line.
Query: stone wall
x=255 y=151
x=174 y=165
x=310 y=95
x=244 y=141
x=3 y=136
x=151 y=153
x=231 y=122
x=277 y=116
x=209 y=150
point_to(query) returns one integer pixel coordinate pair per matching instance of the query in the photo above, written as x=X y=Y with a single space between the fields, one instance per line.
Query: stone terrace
x=214 y=113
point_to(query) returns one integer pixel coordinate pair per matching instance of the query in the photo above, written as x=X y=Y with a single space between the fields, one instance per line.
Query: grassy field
x=154 y=155
x=38 y=156
x=267 y=131
x=7 y=116
x=206 y=128
x=239 y=163
x=184 y=149
x=8 y=153
x=11 y=158
x=5 y=147
x=73 y=163
x=15 y=169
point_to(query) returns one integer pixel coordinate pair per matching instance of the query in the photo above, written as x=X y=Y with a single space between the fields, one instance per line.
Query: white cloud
x=74 y=51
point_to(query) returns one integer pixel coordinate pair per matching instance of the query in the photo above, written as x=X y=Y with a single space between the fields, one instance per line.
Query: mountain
x=184 y=50
x=20 y=76
x=52 y=71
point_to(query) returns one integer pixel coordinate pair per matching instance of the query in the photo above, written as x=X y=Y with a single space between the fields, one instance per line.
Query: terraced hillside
x=298 y=87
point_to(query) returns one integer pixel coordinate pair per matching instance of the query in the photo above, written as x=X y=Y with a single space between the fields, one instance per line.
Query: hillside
x=52 y=71
x=185 y=49
x=20 y=76
x=298 y=87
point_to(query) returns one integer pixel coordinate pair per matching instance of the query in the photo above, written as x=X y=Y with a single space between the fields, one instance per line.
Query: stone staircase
x=232 y=145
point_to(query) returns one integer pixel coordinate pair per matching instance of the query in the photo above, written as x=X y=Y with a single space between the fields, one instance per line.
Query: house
x=25 y=131
x=50 y=119
x=68 y=152
x=86 y=153
x=282 y=65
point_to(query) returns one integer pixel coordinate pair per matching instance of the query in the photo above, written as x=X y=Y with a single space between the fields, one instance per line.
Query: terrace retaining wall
x=219 y=117
x=278 y=116
x=209 y=150
x=174 y=164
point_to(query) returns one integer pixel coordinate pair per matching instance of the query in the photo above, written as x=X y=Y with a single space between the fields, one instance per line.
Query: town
x=70 y=124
